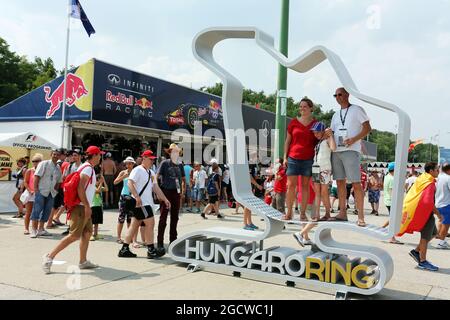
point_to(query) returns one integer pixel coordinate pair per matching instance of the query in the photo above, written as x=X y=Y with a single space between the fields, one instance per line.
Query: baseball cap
x=148 y=154
x=93 y=150
x=129 y=159
x=213 y=160
x=108 y=155
x=391 y=166
x=318 y=126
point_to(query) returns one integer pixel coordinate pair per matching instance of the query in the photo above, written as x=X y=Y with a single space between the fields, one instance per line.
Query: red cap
x=148 y=154
x=93 y=150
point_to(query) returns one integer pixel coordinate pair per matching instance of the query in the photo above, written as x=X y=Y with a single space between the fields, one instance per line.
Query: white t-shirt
x=443 y=190
x=323 y=158
x=354 y=116
x=226 y=176
x=140 y=176
x=199 y=179
x=410 y=181
x=88 y=170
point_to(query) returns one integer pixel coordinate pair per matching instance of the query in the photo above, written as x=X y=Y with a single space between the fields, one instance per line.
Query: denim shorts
x=42 y=207
x=197 y=194
x=299 y=167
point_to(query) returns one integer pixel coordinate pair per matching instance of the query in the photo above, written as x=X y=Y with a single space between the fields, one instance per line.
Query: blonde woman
x=27 y=197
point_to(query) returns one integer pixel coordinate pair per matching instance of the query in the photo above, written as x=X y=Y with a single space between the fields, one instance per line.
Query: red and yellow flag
x=418 y=204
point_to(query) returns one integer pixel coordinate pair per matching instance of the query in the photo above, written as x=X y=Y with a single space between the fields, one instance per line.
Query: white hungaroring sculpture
x=330 y=266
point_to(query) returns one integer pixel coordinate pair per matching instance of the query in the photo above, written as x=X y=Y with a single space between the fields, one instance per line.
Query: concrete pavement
x=21 y=276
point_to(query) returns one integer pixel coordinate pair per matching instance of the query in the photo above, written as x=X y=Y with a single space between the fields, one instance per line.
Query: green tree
x=19 y=76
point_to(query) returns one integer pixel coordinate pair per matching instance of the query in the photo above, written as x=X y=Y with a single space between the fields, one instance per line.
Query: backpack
x=70 y=188
x=211 y=187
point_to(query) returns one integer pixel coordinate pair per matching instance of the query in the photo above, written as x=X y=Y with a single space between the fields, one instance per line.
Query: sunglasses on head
x=36 y=161
x=338 y=95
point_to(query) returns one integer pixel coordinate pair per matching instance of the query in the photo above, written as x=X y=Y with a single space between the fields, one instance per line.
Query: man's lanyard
x=345 y=117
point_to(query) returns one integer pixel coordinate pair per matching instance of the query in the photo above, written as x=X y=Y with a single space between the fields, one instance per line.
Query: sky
x=395 y=50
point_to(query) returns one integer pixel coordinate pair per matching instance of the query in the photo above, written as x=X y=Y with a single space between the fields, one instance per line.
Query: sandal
x=119 y=241
x=395 y=242
x=361 y=224
x=26 y=232
x=337 y=219
x=324 y=218
x=315 y=219
x=286 y=217
x=304 y=218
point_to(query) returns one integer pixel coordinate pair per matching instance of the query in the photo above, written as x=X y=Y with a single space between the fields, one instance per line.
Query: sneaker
x=92 y=238
x=220 y=216
x=248 y=227
x=415 y=255
x=308 y=243
x=33 y=233
x=299 y=239
x=160 y=251
x=152 y=253
x=44 y=233
x=198 y=210
x=425 y=265
x=443 y=245
x=188 y=209
x=203 y=216
x=253 y=226
x=99 y=237
x=65 y=233
x=58 y=223
x=126 y=253
x=87 y=265
x=46 y=264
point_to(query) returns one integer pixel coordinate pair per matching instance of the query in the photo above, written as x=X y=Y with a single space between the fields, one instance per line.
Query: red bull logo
x=214 y=105
x=75 y=90
x=144 y=103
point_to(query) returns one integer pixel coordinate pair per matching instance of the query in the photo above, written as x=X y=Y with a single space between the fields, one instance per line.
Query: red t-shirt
x=363 y=180
x=64 y=166
x=280 y=186
x=303 y=140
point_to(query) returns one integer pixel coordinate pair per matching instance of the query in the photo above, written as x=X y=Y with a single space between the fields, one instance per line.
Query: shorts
x=197 y=194
x=143 y=212
x=42 y=207
x=324 y=177
x=374 y=196
x=445 y=213
x=224 y=185
x=26 y=197
x=188 y=192
x=298 y=167
x=279 y=202
x=58 y=202
x=123 y=212
x=334 y=192
x=213 y=199
x=97 y=215
x=109 y=180
x=79 y=224
x=429 y=231
x=346 y=165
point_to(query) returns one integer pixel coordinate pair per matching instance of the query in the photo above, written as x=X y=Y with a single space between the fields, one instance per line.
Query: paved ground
x=21 y=276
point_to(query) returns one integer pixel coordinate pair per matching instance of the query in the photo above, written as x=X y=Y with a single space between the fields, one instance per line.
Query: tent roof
x=25 y=140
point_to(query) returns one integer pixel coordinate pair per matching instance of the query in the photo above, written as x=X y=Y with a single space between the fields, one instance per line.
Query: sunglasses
x=338 y=95
x=34 y=161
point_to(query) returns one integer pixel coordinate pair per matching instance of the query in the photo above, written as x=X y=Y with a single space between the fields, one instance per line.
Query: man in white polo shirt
x=80 y=216
x=350 y=124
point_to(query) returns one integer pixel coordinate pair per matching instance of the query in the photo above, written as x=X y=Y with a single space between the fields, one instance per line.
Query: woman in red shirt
x=299 y=155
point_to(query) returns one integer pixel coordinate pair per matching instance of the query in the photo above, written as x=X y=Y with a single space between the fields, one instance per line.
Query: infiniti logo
x=114 y=79
x=266 y=128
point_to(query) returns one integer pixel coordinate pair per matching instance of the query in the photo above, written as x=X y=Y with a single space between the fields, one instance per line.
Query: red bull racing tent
x=106 y=103
x=124 y=111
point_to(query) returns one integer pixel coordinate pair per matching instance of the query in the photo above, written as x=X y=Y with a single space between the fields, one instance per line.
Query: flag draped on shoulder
x=77 y=12
x=418 y=204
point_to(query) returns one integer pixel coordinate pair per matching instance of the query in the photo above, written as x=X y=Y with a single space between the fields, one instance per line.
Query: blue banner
x=444 y=155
